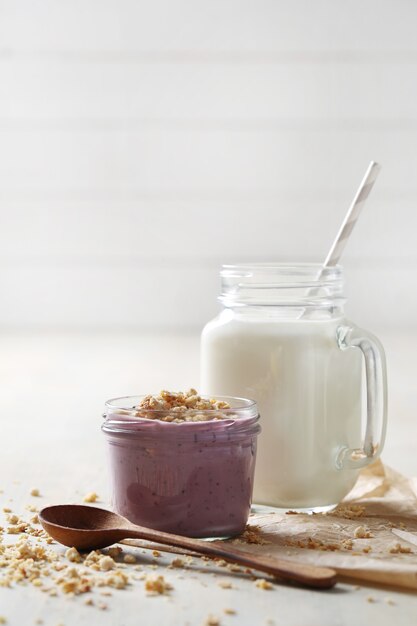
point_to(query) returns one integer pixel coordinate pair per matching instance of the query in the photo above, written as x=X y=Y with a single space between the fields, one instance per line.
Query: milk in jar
x=283 y=340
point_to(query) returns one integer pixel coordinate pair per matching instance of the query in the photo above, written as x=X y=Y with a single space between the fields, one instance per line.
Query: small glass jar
x=187 y=478
x=282 y=338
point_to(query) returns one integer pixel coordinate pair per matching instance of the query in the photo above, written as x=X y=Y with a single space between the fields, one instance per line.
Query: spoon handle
x=305 y=574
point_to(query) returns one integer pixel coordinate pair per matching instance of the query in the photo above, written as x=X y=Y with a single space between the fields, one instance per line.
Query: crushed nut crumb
x=90 y=497
x=172 y=406
x=234 y=568
x=314 y=544
x=225 y=584
x=35 y=493
x=155 y=585
x=129 y=558
x=351 y=511
x=73 y=555
x=361 y=532
x=17 y=529
x=115 y=551
x=397 y=548
x=261 y=583
x=106 y=563
x=252 y=534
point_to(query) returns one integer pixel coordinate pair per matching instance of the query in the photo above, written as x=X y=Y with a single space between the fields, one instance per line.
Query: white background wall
x=143 y=143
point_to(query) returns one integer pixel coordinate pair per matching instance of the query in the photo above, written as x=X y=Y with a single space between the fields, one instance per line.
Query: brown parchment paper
x=381 y=501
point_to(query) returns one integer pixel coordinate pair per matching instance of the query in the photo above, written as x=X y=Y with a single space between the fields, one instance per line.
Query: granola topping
x=189 y=406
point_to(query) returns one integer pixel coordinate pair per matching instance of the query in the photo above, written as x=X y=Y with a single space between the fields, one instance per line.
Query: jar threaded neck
x=306 y=285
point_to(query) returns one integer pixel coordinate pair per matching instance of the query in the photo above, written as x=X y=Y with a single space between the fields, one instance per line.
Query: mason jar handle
x=376 y=397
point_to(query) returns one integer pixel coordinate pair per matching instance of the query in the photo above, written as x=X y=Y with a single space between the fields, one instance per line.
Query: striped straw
x=352 y=215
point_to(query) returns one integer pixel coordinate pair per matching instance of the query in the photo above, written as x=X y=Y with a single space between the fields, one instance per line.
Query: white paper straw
x=349 y=222
x=352 y=215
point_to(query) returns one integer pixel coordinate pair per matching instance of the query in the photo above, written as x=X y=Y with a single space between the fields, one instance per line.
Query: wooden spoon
x=89 y=528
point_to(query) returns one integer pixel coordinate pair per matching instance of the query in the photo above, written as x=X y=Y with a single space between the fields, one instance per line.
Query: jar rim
x=286 y=268
x=242 y=414
x=236 y=403
x=306 y=285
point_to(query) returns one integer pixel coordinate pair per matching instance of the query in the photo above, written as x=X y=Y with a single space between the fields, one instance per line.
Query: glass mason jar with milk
x=282 y=339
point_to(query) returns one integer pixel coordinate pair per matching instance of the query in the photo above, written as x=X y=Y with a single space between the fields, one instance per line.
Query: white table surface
x=53 y=390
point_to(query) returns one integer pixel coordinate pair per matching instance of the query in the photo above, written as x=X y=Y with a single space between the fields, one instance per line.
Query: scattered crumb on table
x=106 y=563
x=129 y=558
x=397 y=548
x=361 y=532
x=225 y=584
x=157 y=585
x=90 y=497
x=261 y=583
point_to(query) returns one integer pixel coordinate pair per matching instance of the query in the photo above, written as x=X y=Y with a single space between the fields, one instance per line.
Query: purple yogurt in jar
x=190 y=478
